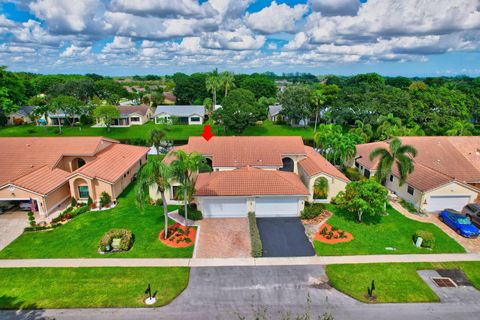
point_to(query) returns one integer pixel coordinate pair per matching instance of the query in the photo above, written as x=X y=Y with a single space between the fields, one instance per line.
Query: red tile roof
x=43 y=180
x=249 y=181
x=315 y=164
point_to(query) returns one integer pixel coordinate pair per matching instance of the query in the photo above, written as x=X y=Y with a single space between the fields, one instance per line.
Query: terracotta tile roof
x=128 y=110
x=246 y=151
x=315 y=163
x=111 y=163
x=21 y=156
x=249 y=181
x=42 y=180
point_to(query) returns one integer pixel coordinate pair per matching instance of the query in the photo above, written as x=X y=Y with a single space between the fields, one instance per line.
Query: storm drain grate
x=444 y=282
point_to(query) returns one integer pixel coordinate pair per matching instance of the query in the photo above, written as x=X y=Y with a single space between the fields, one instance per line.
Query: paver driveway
x=12 y=224
x=284 y=237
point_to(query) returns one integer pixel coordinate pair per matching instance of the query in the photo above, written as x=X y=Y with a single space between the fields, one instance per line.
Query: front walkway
x=228 y=262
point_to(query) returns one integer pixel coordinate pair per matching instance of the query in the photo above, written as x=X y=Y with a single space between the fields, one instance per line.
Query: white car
x=25 y=206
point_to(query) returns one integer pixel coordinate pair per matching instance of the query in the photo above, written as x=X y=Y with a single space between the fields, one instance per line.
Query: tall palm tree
x=318 y=100
x=156 y=138
x=154 y=173
x=363 y=130
x=388 y=126
x=185 y=170
x=227 y=81
x=397 y=153
x=212 y=83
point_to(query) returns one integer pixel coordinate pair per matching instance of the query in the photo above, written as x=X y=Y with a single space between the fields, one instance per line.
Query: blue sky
x=125 y=37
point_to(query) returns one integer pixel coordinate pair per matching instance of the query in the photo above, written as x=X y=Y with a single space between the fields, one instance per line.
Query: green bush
x=105 y=199
x=31 y=219
x=41 y=228
x=256 y=242
x=353 y=174
x=73 y=203
x=312 y=210
x=89 y=201
x=125 y=236
x=427 y=236
x=193 y=213
x=159 y=202
x=409 y=206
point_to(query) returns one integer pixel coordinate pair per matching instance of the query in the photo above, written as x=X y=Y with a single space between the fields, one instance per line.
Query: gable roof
x=249 y=181
x=314 y=164
x=42 y=180
x=127 y=110
x=274 y=109
x=181 y=111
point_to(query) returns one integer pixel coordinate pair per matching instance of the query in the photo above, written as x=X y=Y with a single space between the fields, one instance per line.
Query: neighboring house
x=189 y=114
x=274 y=114
x=169 y=97
x=446 y=171
x=130 y=115
x=272 y=176
x=49 y=171
x=22 y=115
x=60 y=118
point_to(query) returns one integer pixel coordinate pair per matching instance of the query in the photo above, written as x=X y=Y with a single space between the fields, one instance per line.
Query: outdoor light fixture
x=11 y=189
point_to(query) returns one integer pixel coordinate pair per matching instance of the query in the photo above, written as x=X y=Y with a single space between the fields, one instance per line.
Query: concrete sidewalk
x=221 y=262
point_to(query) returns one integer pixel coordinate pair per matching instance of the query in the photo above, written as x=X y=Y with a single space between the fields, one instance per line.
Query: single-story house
x=47 y=172
x=22 y=115
x=272 y=176
x=187 y=114
x=274 y=114
x=130 y=115
x=446 y=171
x=60 y=118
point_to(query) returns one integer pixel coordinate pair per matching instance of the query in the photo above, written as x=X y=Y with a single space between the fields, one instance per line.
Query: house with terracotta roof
x=129 y=115
x=446 y=171
x=47 y=172
x=271 y=176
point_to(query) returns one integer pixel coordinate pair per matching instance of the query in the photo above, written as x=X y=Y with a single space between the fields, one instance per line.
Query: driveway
x=284 y=237
x=223 y=238
x=12 y=224
x=471 y=245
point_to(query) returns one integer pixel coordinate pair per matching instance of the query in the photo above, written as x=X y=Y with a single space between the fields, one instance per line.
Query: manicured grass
x=394 y=282
x=80 y=237
x=270 y=129
x=36 y=288
x=375 y=234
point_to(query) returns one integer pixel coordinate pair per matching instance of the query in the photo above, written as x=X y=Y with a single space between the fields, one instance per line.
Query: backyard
x=38 y=288
x=391 y=234
x=394 y=282
x=80 y=237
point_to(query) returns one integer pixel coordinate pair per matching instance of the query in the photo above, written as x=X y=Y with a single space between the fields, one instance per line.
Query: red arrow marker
x=207 y=132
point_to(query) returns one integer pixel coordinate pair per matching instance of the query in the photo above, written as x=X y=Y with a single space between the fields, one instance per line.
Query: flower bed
x=328 y=234
x=178 y=236
x=321 y=217
x=108 y=243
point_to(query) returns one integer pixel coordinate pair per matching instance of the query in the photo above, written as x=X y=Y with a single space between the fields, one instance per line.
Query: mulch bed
x=318 y=219
x=335 y=236
x=179 y=236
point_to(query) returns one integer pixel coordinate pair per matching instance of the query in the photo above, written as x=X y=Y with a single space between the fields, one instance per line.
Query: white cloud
x=163 y=8
x=75 y=51
x=241 y=38
x=119 y=44
x=276 y=18
x=336 y=7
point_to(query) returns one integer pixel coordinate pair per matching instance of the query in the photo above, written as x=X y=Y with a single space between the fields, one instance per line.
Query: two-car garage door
x=438 y=203
x=237 y=207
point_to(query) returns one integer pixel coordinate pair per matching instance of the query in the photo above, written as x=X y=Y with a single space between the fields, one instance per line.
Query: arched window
x=320 y=188
x=287 y=165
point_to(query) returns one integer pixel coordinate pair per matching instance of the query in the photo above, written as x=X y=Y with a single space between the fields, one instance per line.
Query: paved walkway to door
x=284 y=237
x=12 y=224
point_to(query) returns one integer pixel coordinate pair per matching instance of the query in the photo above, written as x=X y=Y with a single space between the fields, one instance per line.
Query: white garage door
x=276 y=207
x=438 y=203
x=224 y=207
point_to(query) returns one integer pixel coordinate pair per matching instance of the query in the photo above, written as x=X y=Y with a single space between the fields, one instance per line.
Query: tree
x=185 y=170
x=154 y=174
x=295 y=101
x=260 y=85
x=107 y=113
x=156 y=139
x=208 y=104
x=365 y=197
x=212 y=84
x=388 y=126
x=363 y=130
x=110 y=90
x=397 y=153
x=83 y=89
x=227 y=81
x=461 y=128
x=6 y=104
x=318 y=100
x=335 y=145
x=320 y=188
x=70 y=106
x=157 y=97
x=189 y=88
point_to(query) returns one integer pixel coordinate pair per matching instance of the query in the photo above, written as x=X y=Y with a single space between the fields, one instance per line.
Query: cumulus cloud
x=336 y=7
x=164 y=8
x=276 y=18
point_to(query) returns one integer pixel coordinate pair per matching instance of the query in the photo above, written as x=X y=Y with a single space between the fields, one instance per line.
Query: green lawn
x=80 y=237
x=37 y=288
x=375 y=234
x=394 y=282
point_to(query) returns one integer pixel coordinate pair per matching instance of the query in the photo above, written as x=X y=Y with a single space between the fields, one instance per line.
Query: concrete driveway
x=12 y=224
x=284 y=237
x=471 y=245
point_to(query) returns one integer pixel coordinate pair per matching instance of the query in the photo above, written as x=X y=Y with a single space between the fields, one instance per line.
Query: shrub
x=256 y=242
x=31 y=218
x=427 y=236
x=73 y=203
x=89 y=201
x=312 y=211
x=353 y=174
x=159 y=202
x=409 y=206
x=105 y=199
x=125 y=236
x=193 y=213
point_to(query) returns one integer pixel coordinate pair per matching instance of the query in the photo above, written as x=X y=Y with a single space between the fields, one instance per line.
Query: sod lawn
x=36 y=288
x=394 y=282
x=79 y=238
x=375 y=235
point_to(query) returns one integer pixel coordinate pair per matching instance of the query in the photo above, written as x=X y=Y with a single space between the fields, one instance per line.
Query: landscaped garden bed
x=116 y=240
x=178 y=236
x=328 y=234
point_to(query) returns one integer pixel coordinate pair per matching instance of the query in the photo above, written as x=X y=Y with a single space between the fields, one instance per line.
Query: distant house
x=59 y=118
x=130 y=115
x=169 y=97
x=193 y=114
x=274 y=112
x=22 y=115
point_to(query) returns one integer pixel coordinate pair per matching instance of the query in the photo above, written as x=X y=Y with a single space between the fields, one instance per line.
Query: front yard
x=390 y=234
x=38 y=288
x=80 y=237
x=394 y=282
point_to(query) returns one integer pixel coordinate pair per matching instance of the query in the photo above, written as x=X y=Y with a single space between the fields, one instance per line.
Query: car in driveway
x=472 y=212
x=458 y=222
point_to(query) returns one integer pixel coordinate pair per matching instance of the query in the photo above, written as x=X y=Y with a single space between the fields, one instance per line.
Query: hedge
x=193 y=213
x=256 y=242
x=125 y=235
x=312 y=210
x=427 y=236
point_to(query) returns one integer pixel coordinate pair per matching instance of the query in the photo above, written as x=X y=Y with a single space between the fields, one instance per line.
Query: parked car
x=6 y=205
x=25 y=206
x=458 y=222
x=472 y=212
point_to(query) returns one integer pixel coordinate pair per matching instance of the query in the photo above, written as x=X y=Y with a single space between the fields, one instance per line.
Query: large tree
x=260 y=85
x=295 y=101
x=227 y=80
x=70 y=106
x=107 y=113
x=397 y=154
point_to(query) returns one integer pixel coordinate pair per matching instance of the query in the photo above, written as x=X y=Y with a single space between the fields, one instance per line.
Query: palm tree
x=227 y=81
x=185 y=170
x=363 y=130
x=461 y=128
x=397 y=153
x=154 y=173
x=212 y=83
x=388 y=125
x=318 y=100
x=156 y=139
